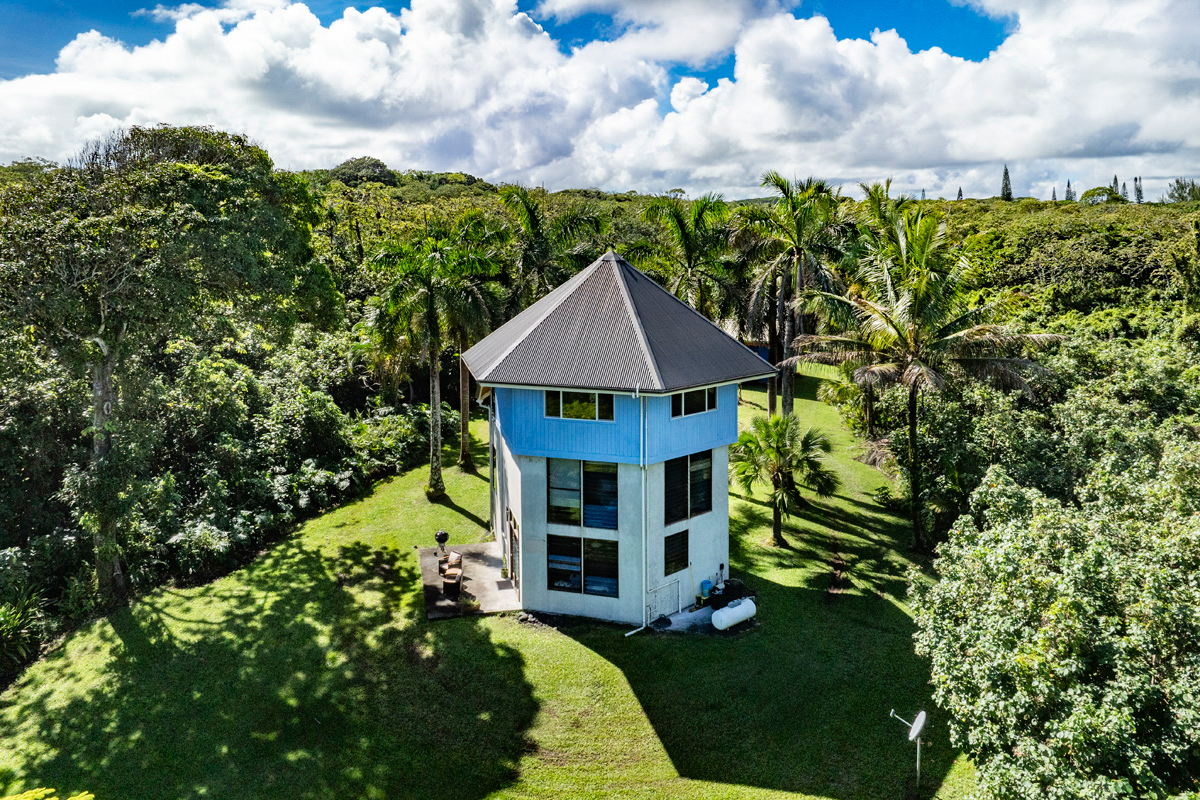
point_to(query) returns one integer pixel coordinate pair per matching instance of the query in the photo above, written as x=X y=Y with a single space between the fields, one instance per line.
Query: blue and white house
x=613 y=406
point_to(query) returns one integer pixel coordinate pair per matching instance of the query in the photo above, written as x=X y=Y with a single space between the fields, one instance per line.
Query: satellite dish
x=917 y=726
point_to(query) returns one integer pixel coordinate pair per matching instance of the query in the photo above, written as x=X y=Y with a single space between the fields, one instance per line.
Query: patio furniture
x=452 y=581
x=452 y=561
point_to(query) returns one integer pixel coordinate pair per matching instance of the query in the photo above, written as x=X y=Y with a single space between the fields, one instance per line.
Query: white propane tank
x=737 y=611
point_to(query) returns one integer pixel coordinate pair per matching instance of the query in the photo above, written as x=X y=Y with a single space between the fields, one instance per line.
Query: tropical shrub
x=20 y=630
x=1064 y=640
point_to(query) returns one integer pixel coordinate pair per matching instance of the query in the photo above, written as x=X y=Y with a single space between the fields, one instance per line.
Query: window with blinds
x=687 y=486
x=675 y=553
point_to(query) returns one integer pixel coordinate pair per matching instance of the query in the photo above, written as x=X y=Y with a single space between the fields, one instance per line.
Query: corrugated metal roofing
x=611 y=327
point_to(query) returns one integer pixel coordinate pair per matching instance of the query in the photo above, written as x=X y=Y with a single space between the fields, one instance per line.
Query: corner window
x=581 y=493
x=687 y=486
x=587 y=566
x=696 y=401
x=579 y=405
x=675 y=553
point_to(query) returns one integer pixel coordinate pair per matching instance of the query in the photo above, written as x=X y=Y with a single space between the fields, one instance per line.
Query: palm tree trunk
x=776 y=516
x=773 y=354
x=437 y=487
x=109 y=578
x=464 y=408
x=788 y=331
x=869 y=411
x=914 y=473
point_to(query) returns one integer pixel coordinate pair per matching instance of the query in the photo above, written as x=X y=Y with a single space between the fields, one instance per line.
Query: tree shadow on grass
x=307 y=676
x=799 y=704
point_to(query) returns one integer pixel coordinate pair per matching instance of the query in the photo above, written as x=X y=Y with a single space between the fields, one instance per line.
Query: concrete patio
x=481 y=582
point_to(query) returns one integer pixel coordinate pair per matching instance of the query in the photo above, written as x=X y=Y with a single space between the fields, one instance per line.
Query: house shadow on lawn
x=312 y=680
x=800 y=703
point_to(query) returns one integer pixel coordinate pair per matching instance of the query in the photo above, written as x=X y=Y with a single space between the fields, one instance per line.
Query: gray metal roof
x=612 y=327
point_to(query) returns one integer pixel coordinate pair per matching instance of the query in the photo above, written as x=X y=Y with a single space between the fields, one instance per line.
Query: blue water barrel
x=705 y=588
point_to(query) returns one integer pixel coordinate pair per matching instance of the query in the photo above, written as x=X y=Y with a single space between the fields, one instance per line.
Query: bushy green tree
x=1006 y=192
x=365 y=169
x=1064 y=639
x=130 y=243
x=1183 y=190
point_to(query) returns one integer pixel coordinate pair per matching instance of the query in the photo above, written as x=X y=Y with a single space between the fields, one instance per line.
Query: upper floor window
x=579 y=405
x=696 y=401
x=581 y=492
x=687 y=489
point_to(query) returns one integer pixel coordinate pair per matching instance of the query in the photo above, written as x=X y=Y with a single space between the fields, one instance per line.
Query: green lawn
x=312 y=673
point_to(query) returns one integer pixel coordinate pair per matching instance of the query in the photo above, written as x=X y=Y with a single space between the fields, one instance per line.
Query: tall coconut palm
x=915 y=324
x=798 y=238
x=777 y=451
x=697 y=238
x=437 y=289
x=549 y=247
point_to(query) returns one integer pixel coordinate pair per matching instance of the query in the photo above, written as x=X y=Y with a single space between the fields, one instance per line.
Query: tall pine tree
x=1124 y=192
x=1006 y=186
x=1069 y=194
x=922 y=194
x=1137 y=190
x=960 y=193
x=1053 y=194
x=1116 y=187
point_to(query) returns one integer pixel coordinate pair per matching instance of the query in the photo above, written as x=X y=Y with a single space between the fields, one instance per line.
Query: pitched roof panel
x=611 y=327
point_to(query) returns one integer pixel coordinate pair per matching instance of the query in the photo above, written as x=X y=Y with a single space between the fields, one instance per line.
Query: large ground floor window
x=575 y=564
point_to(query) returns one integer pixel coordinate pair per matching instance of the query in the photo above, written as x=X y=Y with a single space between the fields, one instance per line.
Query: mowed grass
x=312 y=673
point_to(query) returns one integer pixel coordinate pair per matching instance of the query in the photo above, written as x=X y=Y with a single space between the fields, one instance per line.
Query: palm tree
x=914 y=324
x=697 y=238
x=799 y=238
x=549 y=248
x=775 y=450
x=438 y=288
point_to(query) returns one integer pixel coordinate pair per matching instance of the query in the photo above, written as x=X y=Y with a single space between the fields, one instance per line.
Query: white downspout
x=642 y=464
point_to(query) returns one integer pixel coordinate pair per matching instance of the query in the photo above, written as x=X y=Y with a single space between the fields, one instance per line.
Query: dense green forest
x=197 y=351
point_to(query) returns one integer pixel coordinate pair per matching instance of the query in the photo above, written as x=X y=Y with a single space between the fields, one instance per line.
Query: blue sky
x=32 y=32
x=634 y=94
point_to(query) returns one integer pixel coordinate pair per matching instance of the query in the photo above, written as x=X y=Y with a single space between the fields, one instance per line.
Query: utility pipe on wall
x=642 y=464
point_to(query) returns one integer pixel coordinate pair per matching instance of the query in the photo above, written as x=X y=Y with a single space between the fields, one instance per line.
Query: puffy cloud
x=1080 y=89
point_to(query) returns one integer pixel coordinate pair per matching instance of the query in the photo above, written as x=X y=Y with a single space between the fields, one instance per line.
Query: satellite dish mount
x=914 y=733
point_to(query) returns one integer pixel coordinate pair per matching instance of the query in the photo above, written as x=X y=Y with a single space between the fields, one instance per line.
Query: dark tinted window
x=600 y=567
x=599 y=494
x=562 y=491
x=700 y=474
x=564 y=564
x=676 y=405
x=695 y=402
x=604 y=405
x=675 y=490
x=675 y=553
x=552 y=409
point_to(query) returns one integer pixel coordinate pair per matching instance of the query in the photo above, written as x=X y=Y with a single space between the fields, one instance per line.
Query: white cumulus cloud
x=1080 y=89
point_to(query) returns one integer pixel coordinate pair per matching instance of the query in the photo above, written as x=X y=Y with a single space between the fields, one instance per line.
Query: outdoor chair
x=452 y=581
x=451 y=561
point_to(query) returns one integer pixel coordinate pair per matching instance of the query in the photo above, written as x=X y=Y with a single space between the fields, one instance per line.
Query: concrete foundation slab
x=484 y=590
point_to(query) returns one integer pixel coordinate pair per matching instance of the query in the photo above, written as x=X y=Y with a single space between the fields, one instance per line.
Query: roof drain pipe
x=637 y=395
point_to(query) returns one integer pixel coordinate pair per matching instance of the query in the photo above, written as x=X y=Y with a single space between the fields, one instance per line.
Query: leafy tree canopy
x=365 y=169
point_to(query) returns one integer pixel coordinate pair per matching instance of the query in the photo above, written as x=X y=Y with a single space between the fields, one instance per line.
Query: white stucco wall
x=708 y=540
x=536 y=595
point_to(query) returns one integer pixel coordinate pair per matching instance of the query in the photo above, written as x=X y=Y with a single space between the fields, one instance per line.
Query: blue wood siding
x=671 y=437
x=530 y=432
